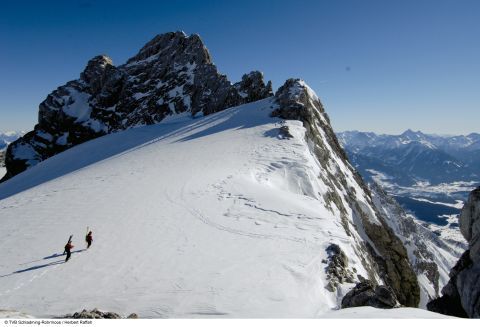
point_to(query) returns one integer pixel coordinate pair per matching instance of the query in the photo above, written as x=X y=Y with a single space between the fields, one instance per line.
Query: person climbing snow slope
x=68 y=248
x=89 y=239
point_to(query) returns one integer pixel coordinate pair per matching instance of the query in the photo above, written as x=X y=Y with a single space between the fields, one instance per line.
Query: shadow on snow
x=178 y=129
x=55 y=255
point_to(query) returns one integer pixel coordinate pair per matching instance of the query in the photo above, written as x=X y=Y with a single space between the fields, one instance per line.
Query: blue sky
x=381 y=66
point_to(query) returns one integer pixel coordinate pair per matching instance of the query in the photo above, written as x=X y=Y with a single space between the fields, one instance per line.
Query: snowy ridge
x=234 y=209
x=382 y=252
x=183 y=211
x=172 y=74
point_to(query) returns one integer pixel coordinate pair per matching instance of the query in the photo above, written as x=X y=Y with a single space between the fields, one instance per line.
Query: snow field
x=194 y=217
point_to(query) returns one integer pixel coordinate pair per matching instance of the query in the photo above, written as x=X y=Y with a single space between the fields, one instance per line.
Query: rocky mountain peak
x=252 y=87
x=175 y=45
x=96 y=66
x=96 y=71
x=172 y=74
x=412 y=135
x=299 y=98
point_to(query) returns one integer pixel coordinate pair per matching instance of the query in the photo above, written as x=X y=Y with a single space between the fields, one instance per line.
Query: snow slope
x=192 y=217
x=370 y=312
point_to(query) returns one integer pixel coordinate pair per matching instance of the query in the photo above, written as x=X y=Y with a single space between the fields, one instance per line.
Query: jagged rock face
x=470 y=224
x=461 y=296
x=2 y=158
x=368 y=294
x=382 y=251
x=252 y=87
x=172 y=74
x=337 y=269
x=430 y=256
x=450 y=302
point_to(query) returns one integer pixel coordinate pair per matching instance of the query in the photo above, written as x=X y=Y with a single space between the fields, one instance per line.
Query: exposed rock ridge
x=97 y=314
x=252 y=87
x=367 y=293
x=382 y=251
x=171 y=74
x=461 y=296
x=174 y=42
x=2 y=158
x=337 y=269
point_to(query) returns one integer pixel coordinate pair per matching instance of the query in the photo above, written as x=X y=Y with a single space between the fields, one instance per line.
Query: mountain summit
x=172 y=74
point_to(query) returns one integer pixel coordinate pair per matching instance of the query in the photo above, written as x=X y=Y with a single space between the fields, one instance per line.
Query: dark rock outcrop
x=450 y=302
x=173 y=73
x=470 y=224
x=97 y=314
x=337 y=268
x=252 y=87
x=410 y=233
x=366 y=293
x=2 y=158
x=284 y=132
x=461 y=296
x=383 y=252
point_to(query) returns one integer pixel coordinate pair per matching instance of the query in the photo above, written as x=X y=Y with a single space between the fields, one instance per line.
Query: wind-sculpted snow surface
x=205 y=218
x=172 y=74
x=374 y=313
x=221 y=215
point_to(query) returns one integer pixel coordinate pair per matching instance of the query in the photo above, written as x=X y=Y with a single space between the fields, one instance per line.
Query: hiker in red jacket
x=89 y=239
x=68 y=248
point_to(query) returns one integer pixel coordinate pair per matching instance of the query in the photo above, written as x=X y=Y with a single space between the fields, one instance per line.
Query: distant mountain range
x=8 y=137
x=5 y=139
x=429 y=175
x=414 y=157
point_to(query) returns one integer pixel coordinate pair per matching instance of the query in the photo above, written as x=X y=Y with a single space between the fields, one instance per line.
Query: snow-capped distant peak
x=8 y=137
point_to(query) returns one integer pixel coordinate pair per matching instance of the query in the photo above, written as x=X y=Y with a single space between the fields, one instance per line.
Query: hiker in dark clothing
x=68 y=248
x=89 y=239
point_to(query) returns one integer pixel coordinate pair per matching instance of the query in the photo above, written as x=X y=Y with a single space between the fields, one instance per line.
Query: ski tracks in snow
x=199 y=215
x=267 y=164
x=38 y=271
